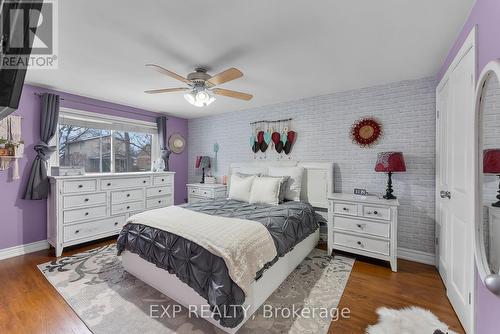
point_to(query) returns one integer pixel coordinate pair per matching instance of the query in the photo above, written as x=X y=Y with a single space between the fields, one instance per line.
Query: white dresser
x=365 y=226
x=200 y=191
x=88 y=207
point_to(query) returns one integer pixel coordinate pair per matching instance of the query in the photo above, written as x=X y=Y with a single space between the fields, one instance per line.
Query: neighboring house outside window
x=104 y=144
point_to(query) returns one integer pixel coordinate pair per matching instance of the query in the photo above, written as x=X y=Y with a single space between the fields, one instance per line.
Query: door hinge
x=470 y=298
x=437 y=113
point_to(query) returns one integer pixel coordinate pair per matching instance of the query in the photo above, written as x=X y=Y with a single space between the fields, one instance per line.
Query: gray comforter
x=288 y=223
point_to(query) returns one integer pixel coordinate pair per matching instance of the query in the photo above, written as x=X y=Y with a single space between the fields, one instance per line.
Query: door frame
x=470 y=44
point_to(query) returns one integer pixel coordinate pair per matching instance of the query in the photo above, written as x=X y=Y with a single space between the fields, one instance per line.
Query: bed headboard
x=317 y=181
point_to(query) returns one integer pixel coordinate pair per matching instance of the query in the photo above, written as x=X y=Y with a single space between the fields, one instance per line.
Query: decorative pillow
x=266 y=190
x=294 y=184
x=241 y=185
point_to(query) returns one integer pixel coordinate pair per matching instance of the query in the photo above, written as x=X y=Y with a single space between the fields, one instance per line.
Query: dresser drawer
x=361 y=243
x=346 y=209
x=377 y=212
x=124 y=196
x=362 y=226
x=162 y=180
x=130 y=182
x=158 y=202
x=79 y=186
x=84 y=214
x=158 y=191
x=90 y=229
x=126 y=207
x=71 y=201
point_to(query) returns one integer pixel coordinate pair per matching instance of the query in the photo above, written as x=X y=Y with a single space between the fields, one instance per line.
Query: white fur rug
x=412 y=320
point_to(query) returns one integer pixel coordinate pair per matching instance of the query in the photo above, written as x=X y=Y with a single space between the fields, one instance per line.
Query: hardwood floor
x=29 y=304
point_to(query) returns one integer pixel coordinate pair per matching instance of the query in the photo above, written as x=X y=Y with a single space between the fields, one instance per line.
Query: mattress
x=288 y=223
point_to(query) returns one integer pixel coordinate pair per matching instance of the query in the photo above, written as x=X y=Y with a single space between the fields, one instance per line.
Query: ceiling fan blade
x=165 y=90
x=168 y=73
x=232 y=93
x=225 y=76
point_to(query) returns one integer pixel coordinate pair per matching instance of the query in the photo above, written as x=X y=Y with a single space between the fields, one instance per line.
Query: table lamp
x=202 y=162
x=390 y=162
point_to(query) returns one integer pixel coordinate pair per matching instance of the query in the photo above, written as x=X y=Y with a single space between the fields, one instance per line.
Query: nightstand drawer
x=345 y=209
x=362 y=226
x=207 y=193
x=361 y=243
x=377 y=212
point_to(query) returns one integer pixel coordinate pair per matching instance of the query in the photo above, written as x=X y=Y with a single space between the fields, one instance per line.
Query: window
x=104 y=144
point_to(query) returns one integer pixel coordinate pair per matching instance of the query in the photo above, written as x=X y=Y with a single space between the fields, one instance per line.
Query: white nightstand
x=200 y=191
x=365 y=226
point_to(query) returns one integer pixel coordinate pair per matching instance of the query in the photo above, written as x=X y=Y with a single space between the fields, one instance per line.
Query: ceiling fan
x=201 y=88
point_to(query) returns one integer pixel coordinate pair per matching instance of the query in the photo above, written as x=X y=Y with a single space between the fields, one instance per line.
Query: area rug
x=110 y=300
x=411 y=320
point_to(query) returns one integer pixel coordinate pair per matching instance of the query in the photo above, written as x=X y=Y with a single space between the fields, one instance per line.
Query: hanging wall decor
x=272 y=134
x=366 y=132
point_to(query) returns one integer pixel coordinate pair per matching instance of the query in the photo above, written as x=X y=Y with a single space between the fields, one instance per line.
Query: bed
x=199 y=279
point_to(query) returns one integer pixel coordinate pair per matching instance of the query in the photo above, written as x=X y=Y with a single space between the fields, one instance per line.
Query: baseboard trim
x=416 y=256
x=23 y=249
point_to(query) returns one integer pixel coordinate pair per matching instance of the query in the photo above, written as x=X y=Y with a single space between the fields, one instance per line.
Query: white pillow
x=266 y=190
x=241 y=185
x=294 y=184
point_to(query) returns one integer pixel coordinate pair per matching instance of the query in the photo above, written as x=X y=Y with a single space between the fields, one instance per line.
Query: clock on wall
x=366 y=132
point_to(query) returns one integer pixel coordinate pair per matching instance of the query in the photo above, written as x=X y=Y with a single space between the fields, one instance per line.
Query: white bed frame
x=317 y=185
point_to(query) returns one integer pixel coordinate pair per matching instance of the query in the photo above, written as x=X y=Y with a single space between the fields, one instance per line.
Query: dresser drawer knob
x=86 y=213
x=128 y=207
x=345 y=209
x=360 y=244
x=361 y=226
x=108 y=184
x=375 y=212
x=77 y=231
x=144 y=181
x=116 y=223
x=204 y=193
x=86 y=200
x=159 y=190
x=162 y=180
x=159 y=201
x=80 y=186
x=128 y=195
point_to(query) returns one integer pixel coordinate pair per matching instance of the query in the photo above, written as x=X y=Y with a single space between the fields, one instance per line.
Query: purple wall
x=23 y=221
x=486 y=15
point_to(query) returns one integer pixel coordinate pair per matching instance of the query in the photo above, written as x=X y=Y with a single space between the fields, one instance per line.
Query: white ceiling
x=287 y=49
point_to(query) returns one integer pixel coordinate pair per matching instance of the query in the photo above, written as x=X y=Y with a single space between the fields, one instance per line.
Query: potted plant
x=3 y=142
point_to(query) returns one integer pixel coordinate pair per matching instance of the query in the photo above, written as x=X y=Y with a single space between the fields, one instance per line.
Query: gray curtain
x=38 y=183
x=161 y=123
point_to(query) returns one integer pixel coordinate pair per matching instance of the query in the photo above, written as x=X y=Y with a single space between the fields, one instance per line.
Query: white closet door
x=455 y=184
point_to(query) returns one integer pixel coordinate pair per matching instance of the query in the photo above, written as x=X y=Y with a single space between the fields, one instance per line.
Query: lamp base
x=497 y=204
x=202 y=175
x=388 y=192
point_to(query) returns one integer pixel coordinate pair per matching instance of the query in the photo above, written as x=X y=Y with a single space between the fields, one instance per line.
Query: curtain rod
x=105 y=107
x=276 y=121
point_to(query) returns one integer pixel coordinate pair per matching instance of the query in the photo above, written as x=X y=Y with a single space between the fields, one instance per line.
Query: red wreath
x=366 y=132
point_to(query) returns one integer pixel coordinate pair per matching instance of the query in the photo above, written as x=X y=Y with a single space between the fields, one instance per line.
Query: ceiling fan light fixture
x=199 y=97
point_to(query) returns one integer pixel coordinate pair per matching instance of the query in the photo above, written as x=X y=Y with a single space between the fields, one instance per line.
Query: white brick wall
x=407 y=112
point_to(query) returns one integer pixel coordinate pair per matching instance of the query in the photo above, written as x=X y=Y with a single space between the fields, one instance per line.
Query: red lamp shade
x=491 y=161
x=390 y=162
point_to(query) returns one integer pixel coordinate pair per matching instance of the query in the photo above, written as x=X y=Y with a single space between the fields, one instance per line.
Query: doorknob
x=445 y=194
